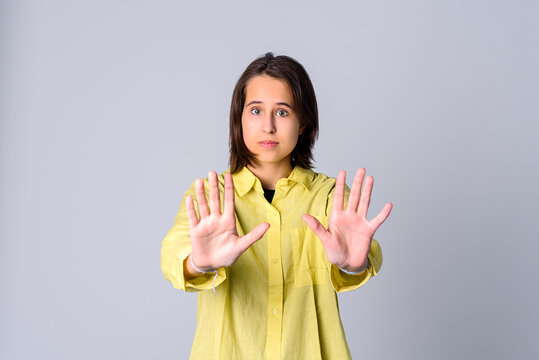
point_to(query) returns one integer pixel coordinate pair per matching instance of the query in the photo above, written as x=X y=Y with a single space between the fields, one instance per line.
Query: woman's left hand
x=348 y=237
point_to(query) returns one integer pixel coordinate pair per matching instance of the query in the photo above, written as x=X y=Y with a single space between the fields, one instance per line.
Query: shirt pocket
x=310 y=262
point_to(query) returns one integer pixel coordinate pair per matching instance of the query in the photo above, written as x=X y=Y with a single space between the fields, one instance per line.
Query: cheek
x=247 y=132
x=293 y=130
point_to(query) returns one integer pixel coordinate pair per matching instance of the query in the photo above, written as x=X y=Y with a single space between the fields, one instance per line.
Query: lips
x=268 y=143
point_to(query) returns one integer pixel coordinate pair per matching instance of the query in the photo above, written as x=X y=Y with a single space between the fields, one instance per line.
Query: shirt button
x=275 y=311
x=275 y=260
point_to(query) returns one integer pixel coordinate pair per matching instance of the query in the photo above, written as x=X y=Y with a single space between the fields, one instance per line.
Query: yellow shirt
x=279 y=299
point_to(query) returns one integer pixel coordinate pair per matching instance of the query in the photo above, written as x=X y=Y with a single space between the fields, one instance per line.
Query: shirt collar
x=244 y=180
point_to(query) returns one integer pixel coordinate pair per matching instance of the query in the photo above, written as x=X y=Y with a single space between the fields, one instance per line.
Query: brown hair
x=280 y=67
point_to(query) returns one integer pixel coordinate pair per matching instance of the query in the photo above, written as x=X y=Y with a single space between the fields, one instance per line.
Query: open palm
x=347 y=239
x=214 y=237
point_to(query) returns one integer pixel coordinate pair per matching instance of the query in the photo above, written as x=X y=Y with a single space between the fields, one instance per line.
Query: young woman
x=273 y=239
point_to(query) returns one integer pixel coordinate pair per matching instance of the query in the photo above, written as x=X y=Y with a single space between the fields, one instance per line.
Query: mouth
x=268 y=143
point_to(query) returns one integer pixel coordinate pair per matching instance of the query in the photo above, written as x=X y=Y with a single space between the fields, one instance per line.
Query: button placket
x=275 y=281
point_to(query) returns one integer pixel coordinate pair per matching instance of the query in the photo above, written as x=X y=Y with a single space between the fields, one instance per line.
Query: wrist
x=355 y=270
x=195 y=269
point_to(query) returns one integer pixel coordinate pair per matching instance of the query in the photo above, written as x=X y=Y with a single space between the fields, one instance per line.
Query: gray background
x=110 y=109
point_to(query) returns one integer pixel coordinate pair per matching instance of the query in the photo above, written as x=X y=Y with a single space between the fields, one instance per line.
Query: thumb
x=316 y=227
x=253 y=235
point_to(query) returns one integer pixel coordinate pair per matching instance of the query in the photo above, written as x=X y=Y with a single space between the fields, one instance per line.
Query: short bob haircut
x=280 y=67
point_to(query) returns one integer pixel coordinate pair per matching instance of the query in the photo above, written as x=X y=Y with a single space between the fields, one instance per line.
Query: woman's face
x=270 y=125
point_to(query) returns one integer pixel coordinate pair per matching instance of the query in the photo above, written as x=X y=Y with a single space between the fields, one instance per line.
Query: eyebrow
x=260 y=102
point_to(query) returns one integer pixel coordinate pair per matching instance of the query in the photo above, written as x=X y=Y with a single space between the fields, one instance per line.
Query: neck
x=270 y=174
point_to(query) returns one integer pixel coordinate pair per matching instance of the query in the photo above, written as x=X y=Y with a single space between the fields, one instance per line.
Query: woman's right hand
x=214 y=237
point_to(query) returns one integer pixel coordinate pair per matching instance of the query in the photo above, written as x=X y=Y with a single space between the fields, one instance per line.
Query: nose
x=269 y=124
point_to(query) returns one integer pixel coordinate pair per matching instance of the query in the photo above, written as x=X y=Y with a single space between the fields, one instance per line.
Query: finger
x=317 y=228
x=353 y=199
x=382 y=216
x=203 y=210
x=365 y=197
x=229 y=195
x=191 y=214
x=338 y=195
x=253 y=236
x=215 y=202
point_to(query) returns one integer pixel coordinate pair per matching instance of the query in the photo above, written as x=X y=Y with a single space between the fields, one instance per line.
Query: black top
x=268 y=194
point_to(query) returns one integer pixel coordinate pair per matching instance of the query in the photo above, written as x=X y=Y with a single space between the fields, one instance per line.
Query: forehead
x=268 y=90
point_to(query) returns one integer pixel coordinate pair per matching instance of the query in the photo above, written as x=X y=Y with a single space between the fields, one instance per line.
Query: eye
x=282 y=112
x=255 y=111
